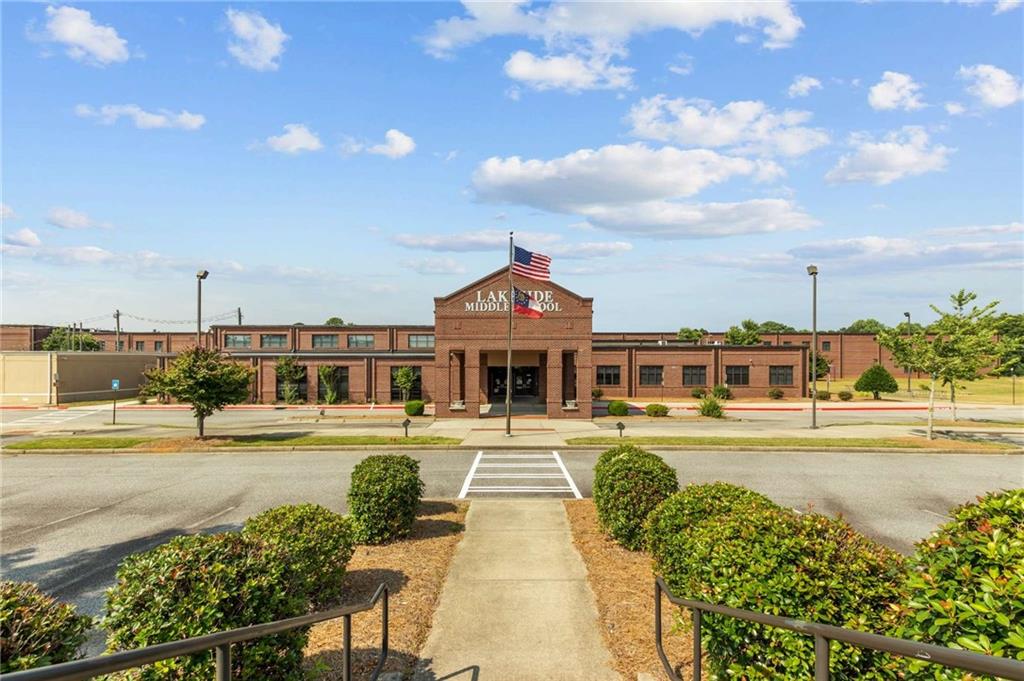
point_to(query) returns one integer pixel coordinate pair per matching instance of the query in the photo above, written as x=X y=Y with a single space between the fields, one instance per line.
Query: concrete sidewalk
x=516 y=604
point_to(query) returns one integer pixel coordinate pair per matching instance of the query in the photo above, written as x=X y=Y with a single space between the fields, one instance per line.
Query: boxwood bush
x=824 y=395
x=618 y=408
x=698 y=393
x=628 y=485
x=201 y=584
x=845 y=395
x=383 y=497
x=414 y=407
x=775 y=393
x=695 y=504
x=965 y=588
x=35 y=629
x=655 y=409
x=771 y=560
x=316 y=541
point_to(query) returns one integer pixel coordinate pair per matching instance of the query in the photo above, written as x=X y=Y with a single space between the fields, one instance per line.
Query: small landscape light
x=405 y=424
x=621 y=426
x=323 y=412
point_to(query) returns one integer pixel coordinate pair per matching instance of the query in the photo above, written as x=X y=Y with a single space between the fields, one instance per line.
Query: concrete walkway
x=516 y=604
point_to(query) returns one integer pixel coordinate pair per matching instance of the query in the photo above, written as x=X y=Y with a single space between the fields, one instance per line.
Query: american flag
x=531 y=265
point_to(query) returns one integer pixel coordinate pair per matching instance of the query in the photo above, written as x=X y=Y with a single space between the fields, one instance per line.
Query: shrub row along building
x=460 y=361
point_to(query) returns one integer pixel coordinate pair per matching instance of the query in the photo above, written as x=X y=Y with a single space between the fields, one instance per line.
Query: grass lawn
x=80 y=443
x=796 y=442
x=238 y=441
x=984 y=391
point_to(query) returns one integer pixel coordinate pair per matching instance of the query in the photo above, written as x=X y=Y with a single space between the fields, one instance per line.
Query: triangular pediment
x=499 y=279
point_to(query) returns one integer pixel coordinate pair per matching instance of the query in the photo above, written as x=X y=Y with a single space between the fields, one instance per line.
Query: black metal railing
x=220 y=643
x=823 y=635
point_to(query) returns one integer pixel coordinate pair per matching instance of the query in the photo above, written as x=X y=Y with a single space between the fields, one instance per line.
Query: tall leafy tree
x=1010 y=328
x=405 y=379
x=334 y=321
x=865 y=326
x=329 y=376
x=774 y=327
x=823 y=368
x=61 y=339
x=956 y=347
x=744 y=334
x=691 y=335
x=205 y=379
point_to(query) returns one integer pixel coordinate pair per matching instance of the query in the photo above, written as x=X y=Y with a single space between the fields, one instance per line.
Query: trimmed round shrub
x=202 y=584
x=609 y=454
x=721 y=392
x=772 y=560
x=35 y=629
x=876 y=379
x=845 y=395
x=627 y=487
x=596 y=393
x=317 y=542
x=618 y=408
x=695 y=504
x=414 y=407
x=776 y=393
x=383 y=497
x=698 y=393
x=965 y=588
x=655 y=409
x=710 y=407
x=824 y=395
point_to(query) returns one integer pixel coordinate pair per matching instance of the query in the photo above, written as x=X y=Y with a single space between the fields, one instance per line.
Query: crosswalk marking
x=49 y=418
x=531 y=469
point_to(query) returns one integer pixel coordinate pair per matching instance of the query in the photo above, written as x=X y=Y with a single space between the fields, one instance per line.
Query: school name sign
x=497 y=301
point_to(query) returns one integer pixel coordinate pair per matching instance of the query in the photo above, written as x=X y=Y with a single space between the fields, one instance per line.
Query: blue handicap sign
x=115 y=384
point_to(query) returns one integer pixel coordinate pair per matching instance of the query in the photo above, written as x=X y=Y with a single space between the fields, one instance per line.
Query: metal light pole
x=910 y=332
x=200 y=275
x=813 y=271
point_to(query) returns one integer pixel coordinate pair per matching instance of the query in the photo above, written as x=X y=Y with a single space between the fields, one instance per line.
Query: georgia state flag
x=524 y=304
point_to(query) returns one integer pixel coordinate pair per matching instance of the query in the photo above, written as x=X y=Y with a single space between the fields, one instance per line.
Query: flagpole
x=508 y=358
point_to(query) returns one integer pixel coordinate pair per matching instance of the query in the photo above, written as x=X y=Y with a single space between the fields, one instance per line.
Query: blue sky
x=681 y=163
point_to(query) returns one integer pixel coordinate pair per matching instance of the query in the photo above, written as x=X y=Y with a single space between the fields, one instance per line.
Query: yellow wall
x=27 y=377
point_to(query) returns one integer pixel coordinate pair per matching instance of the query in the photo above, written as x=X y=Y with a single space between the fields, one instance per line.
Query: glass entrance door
x=525 y=382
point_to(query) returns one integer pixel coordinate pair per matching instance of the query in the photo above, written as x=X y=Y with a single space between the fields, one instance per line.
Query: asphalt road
x=68 y=520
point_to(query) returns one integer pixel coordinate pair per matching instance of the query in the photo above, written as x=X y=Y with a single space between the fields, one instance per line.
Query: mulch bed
x=623 y=585
x=414 y=570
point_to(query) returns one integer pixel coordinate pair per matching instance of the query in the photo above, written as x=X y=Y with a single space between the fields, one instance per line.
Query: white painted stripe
x=568 y=478
x=469 y=476
x=519 y=465
x=516 y=456
x=517 y=475
x=522 y=490
x=54 y=522
x=209 y=518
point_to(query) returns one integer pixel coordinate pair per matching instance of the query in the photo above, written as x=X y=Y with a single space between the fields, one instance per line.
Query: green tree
x=913 y=327
x=334 y=321
x=865 y=326
x=61 y=339
x=1010 y=328
x=876 y=379
x=405 y=379
x=957 y=347
x=290 y=373
x=744 y=334
x=329 y=379
x=205 y=379
x=823 y=368
x=691 y=335
x=774 y=327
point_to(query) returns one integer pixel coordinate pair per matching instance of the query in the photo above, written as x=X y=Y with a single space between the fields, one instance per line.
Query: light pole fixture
x=910 y=332
x=200 y=275
x=812 y=270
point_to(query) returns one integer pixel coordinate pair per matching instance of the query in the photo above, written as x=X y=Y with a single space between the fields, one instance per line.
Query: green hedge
x=845 y=395
x=824 y=395
x=965 y=588
x=655 y=409
x=698 y=393
x=317 y=542
x=383 y=497
x=201 y=584
x=35 y=629
x=721 y=392
x=776 y=393
x=414 y=407
x=618 y=408
x=774 y=561
x=628 y=485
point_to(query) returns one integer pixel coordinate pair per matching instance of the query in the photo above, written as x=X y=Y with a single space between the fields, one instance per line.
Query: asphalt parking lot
x=68 y=520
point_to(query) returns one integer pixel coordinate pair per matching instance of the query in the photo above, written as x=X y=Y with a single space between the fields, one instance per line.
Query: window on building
x=273 y=340
x=140 y=346
x=237 y=340
x=650 y=375
x=120 y=346
x=805 y=342
x=421 y=340
x=609 y=375
x=787 y=342
x=325 y=340
x=695 y=375
x=737 y=375
x=417 y=387
x=826 y=346
x=780 y=375
x=356 y=340
x=766 y=343
x=301 y=387
x=158 y=346
x=340 y=384
x=103 y=345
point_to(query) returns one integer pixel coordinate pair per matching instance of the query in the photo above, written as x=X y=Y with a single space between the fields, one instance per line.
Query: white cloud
x=1006 y=6
x=742 y=126
x=802 y=86
x=66 y=218
x=976 y=230
x=955 y=108
x=902 y=153
x=895 y=91
x=295 y=139
x=485 y=240
x=396 y=145
x=6 y=212
x=570 y=72
x=258 y=43
x=434 y=265
x=65 y=255
x=682 y=66
x=84 y=40
x=22 y=237
x=992 y=86
x=110 y=113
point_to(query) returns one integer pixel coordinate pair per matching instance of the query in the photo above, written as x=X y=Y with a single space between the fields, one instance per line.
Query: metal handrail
x=219 y=642
x=824 y=634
